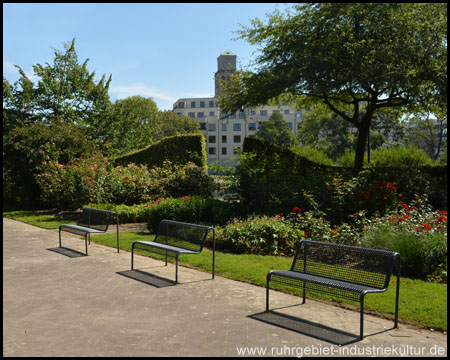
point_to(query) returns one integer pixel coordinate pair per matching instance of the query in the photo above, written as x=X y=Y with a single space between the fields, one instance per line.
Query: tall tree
x=277 y=131
x=356 y=58
x=66 y=91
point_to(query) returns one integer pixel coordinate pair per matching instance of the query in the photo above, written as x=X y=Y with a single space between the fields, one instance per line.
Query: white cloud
x=140 y=90
x=10 y=69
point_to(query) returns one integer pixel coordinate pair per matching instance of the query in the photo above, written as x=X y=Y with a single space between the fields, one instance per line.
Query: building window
x=263 y=113
x=181 y=105
x=237 y=127
x=224 y=139
x=286 y=112
x=242 y=115
x=252 y=112
x=191 y=114
x=224 y=127
x=275 y=111
x=202 y=104
x=299 y=113
x=233 y=116
x=252 y=126
x=201 y=114
x=211 y=127
x=212 y=151
x=224 y=151
x=192 y=104
x=259 y=124
x=211 y=104
x=202 y=126
x=211 y=113
x=212 y=139
x=290 y=125
x=237 y=138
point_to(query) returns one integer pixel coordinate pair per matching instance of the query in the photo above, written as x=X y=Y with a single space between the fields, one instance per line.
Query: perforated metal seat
x=174 y=238
x=343 y=271
x=91 y=221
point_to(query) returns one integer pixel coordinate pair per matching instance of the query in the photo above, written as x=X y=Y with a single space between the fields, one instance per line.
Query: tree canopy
x=356 y=58
x=66 y=91
x=277 y=132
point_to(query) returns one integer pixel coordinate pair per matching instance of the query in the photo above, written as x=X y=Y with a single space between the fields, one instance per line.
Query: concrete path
x=62 y=303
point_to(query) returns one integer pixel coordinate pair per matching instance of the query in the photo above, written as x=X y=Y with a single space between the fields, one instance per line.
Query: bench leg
x=397 y=292
x=59 y=237
x=86 y=244
x=304 y=292
x=132 y=253
x=267 y=291
x=176 y=268
x=361 y=321
x=117 y=217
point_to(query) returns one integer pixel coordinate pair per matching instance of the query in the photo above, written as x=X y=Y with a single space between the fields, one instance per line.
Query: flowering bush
x=94 y=180
x=316 y=227
x=73 y=184
x=417 y=233
x=414 y=230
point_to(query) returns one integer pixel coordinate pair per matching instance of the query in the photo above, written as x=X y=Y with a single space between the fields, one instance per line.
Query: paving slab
x=62 y=303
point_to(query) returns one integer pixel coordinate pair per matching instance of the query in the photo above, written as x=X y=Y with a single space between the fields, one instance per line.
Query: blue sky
x=165 y=51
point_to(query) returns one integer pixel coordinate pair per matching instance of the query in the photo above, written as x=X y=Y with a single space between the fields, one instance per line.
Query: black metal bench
x=174 y=238
x=343 y=271
x=91 y=221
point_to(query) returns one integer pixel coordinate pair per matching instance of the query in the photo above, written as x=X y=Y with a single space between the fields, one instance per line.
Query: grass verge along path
x=423 y=304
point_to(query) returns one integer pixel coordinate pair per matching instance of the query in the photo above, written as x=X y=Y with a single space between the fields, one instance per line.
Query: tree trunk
x=363 y=131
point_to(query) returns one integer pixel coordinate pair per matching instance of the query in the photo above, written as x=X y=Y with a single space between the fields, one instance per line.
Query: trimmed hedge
x=273 y=180
x=178 y=149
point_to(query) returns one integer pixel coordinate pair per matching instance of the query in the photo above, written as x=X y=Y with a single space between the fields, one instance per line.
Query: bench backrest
x=370 y=267
x=183 y=235
x=95 y=218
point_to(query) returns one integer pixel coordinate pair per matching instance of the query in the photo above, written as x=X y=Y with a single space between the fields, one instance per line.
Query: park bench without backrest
x=174 y=238
x=343 y=271
x=91 y=221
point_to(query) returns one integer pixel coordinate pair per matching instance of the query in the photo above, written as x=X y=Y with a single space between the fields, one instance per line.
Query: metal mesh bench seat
x=343 y=271
x=174 y=238
x=93 y=221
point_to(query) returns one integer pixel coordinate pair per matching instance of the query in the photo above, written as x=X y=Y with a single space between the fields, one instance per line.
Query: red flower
x=297 y=209
x=405 y=207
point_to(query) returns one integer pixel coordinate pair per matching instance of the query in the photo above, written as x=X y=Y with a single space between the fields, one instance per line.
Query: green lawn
x=421 y=303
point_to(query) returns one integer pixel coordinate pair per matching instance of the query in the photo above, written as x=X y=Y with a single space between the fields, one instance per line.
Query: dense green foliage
x=95 y=180
x=135 y=123
x=356 y=58
x=273 y=180
x=277 y=131
x=28 y=149
x=178 y=149
x=258 y=235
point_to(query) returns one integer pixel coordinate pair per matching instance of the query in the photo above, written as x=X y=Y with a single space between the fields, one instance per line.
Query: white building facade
x=225 y=136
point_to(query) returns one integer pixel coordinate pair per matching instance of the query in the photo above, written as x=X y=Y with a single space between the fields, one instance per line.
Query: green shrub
x=258 y=235
x=418 y=234
x=399 y=156
x=197 y=210
x=92 y=180
x=26 y=148
x=72 y=185
x=312 y=154
x=273 y=180
x=178 y=149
